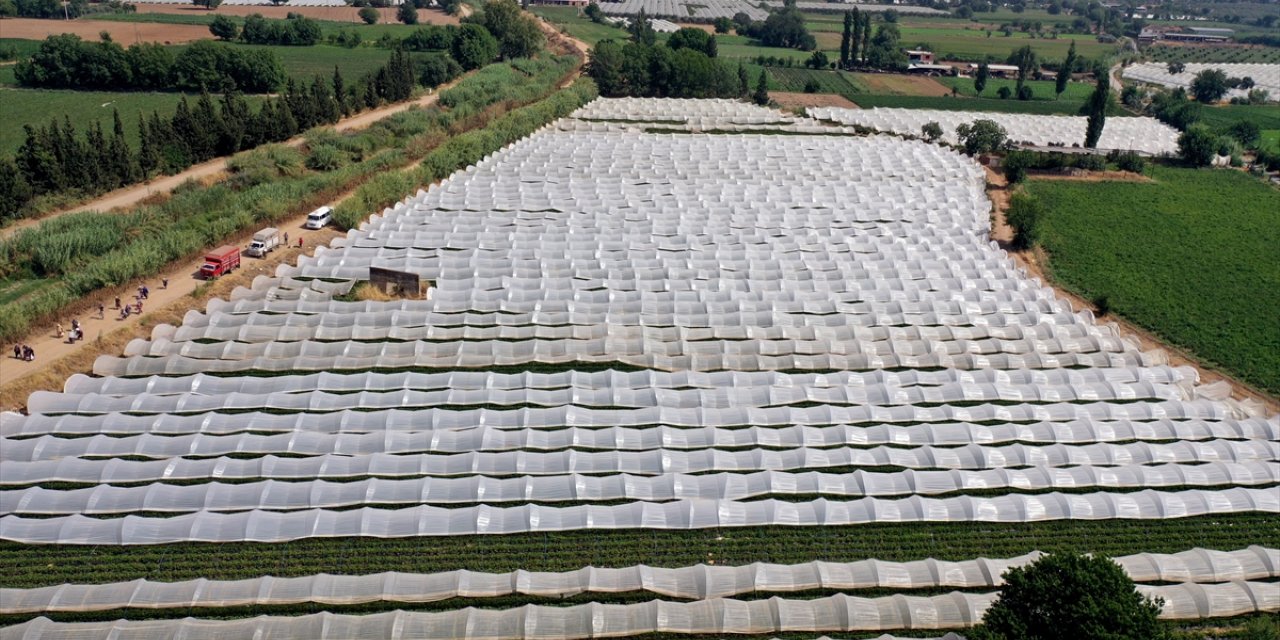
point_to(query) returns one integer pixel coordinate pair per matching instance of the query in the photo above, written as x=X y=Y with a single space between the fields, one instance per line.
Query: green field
x=947 y=103
x=1221 y=117
x=1192 y=257
x=37 y=106
x=22 y=48
x=975 y=45
x=578 y=26
x=1043 y=89
x=1271 y=139
x=1257 y=54
x=795 y=79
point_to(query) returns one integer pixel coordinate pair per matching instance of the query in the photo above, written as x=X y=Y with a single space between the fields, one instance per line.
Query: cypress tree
x=845 y=36
x=866 y=35
x=148 y=152
x=1064 y=74
x=100 y=169
x=185 y=132
x=1097 y=109
x=326 y=106
x=38 y=162
x=286 y=124
x=855 y=35
x=15 y=193
x=371 y=93
x=340 y=93
x=744 y=85
x=210 y=127
x=126 y=164
x=761 y=96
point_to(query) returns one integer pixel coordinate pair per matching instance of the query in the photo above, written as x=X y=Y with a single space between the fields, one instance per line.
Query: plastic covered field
x=1264 y=76
x=655 y=316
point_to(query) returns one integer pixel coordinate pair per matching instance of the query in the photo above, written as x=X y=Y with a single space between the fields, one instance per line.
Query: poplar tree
x=845 y=37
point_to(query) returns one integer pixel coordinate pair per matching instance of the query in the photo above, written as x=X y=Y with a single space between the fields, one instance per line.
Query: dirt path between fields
x=795 y=100
x=133 y=195
x=1035 y=263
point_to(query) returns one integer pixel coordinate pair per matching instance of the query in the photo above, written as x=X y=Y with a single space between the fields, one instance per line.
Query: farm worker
x=145 y=292
x=17 y=352
x=75 y=323
x=102 y=311
x=164 y=283
x=299 y=242
x=58 y=331
x=117 y=302
x=286 y=238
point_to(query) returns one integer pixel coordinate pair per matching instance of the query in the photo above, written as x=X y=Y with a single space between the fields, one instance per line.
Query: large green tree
x=1068 y=596
x=1064 y=74
x=473 y=46
x=1209 y=85
x=516 y=30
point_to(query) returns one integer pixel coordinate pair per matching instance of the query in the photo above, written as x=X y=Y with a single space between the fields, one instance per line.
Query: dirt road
x=134 y=194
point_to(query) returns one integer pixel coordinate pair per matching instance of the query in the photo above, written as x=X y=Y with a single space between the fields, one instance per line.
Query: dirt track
x=125 y=33
x=792 y=99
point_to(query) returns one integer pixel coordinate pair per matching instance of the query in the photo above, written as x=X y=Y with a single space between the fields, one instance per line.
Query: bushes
x=297 y=30
x=435 y=70
x=1024 y=215
x=1018 y=163
x=635 y=69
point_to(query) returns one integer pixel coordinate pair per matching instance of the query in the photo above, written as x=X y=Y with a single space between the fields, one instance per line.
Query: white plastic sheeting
x=715 y=616
x=319 y=494
x=650 y=462
x=308 y=443
x=271 y=526
x=1146 y=135
x=1265 y=76
x=695 y=583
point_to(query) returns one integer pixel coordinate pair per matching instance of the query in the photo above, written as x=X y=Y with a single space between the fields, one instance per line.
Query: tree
x=1177 y=67
x=723 y=25
x=1246 y=132
x=517 y=32
x=744 y=85
x=370 y=15
x=340 y=91
x=278 y=2
x=1025 y=92
x=866 y=34
x=1198 y=145
x=931 y=131
x=695 y=39
x=817 y=60
x=605 y=66
x=14 y=190
x=1096 y=110
x=855 y=38
x=761 y=96
x=407 y=13
x=224 y=28
x=886 y=51
x=1004 y=93
x=594 y=13
x=641 y=29
x=1064 y=74
x=1209 y=85
x=1025 y=59
x=208 y=4
x=981 y=136
x=845 y=37
x=1024 y=215
x=980 y=78
x=1070 y=595
x=786 y=29
x=437 y=69
x=473 y=47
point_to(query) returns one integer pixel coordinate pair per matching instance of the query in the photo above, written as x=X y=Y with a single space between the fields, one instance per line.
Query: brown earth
x=902 y=85
x=1093 y=176
x=125 y=33
x=792 y=99
x=336 y=14
x=1036 y=263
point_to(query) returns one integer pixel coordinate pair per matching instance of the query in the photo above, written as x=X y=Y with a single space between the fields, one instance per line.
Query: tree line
x=294 y=30
x=58 y=158
x=684 y=67
x=68 y=62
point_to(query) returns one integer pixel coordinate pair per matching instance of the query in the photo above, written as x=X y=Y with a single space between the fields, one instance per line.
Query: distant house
x=919 y=56
x=997 y=70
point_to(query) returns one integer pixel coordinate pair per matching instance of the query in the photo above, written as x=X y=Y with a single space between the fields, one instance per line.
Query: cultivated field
x=334 y=14
x=636 y=351
x=124 y=33
x=1215 y=296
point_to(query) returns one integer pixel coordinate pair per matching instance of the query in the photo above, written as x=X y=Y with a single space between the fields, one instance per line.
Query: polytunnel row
x=653 y=463
x=423 y=520
x=715 y=616
x=1146 y=135
x=310 y=443
x=457 y=399
x=1265 y=76
x=594 y=380
x=698 y=582
x=1102 y=415
x=319 y=494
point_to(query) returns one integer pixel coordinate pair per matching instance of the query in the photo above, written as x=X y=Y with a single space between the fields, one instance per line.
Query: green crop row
x=40 y=565
x=1191 y=257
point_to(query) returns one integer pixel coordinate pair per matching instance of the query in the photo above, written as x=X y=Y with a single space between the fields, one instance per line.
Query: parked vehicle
x=264 y=242
x=319 y=218
x=220 y=261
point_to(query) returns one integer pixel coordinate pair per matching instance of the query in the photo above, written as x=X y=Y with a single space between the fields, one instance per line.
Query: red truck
x=220 y=261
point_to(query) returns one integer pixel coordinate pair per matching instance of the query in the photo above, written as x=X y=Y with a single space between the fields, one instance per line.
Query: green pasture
x=1042 y=89
x=1190 y=257
x=579 y=26
x=1266 y=116
x=947 y=103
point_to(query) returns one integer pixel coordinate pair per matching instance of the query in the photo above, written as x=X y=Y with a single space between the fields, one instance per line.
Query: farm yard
x=645 y=368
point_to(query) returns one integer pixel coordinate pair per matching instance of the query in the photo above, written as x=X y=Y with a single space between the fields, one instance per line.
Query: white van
x=319 y=218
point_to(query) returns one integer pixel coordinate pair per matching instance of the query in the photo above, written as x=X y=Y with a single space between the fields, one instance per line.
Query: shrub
x=1024 y=215
x=931 y=131
x=1130 y=161
x=407 y=13
x=370 y=15
x=326 y=158
x=1004 y=93
x=981 y=136
x=1198 y=145
x=437 y=70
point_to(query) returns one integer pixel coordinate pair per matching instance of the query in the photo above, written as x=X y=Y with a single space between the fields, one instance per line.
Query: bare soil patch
x=693 y=25
x=1092 y=176
x=126 y=33
x=903 y=85
x=792 y=99
x=336 y=14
